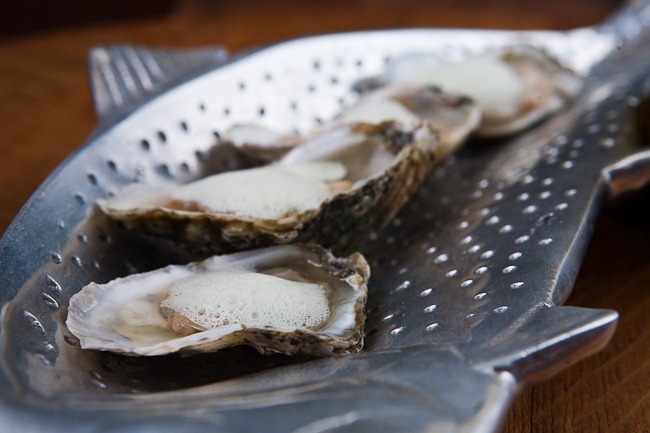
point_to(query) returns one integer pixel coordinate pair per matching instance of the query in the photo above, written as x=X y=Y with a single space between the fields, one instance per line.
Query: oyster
x=455 y=117
x=514 y=87
x=332 y=190
x=292 y=299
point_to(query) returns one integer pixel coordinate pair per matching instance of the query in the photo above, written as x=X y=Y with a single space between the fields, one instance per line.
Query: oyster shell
x=382 y=166
x=514 y=87
x=455 y=117
x=292 y=299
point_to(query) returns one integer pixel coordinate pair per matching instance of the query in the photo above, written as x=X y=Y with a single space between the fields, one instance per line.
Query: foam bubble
x=251 y=299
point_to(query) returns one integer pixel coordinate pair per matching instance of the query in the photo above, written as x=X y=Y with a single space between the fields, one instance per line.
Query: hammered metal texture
x=462 y=302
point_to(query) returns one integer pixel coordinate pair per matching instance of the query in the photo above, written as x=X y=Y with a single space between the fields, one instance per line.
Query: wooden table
x=46 y=113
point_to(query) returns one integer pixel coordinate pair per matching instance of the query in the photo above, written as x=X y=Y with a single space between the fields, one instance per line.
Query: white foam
x=269 y=192
x=248 y=298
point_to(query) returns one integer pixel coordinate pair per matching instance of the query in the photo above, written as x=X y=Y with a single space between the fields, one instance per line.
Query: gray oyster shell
x=546 y=87
x=95 y=314
x=454 y=117
x=340 y=223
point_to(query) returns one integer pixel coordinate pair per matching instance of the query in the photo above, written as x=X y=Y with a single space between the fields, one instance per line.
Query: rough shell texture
x=341 y=223
x=95 y=314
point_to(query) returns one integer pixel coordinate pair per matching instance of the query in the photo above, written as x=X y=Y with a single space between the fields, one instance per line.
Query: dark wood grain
x=46 y=113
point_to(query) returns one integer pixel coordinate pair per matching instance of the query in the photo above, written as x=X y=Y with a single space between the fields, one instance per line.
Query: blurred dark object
x=18 y=17
x=26 y=16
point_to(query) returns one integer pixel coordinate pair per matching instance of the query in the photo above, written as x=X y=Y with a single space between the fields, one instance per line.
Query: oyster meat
x=333 y=190
x=514 y=87
x=292 y=299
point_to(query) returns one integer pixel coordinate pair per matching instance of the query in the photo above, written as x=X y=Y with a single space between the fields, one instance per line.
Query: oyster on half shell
x=333 y=190
x=514 y=87
x=291 y=299
x=454 y=117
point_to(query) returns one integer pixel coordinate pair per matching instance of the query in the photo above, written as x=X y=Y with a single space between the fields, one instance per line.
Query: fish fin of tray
x=548 y=340
x=124 y=76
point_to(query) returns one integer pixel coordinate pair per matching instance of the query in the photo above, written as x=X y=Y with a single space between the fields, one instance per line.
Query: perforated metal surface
x=465 y=280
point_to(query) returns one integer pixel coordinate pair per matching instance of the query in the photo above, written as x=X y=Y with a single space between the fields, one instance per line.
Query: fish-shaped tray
x=463 y=307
